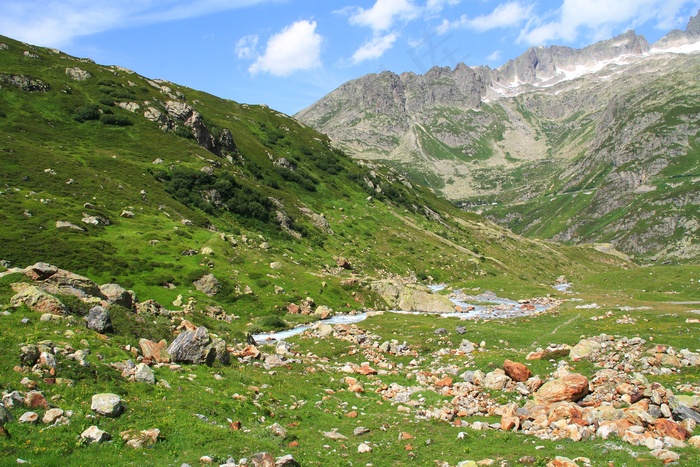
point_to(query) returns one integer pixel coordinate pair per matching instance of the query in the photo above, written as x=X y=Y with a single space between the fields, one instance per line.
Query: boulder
x=35 y=399
x=144 y=374
x=95 y=435
x=665 y=427
x=496 y=380
x=66 y=282
x=263 y=459
x=29 y=354
x=140 y=439
x=109 y=405
x=156 y=352
x=286 y=461
x=99 y=320
x=52 y=415
x=29 y=417
x=197 y=347
x=571 y=387
x=584 y=349
x=38 y=300
x=208 y=285
x=516 y=371
x=77 y=74
x=118 y=295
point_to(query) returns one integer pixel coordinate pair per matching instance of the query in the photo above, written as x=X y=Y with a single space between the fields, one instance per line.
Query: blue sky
x=289 y=53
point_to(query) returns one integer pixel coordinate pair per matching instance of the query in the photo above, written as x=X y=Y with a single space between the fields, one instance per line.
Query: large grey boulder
x=99 y=320
x=197 y=347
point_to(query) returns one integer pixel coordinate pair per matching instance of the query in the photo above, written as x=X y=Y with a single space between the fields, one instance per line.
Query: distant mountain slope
x=154 y=186
x=590 y=145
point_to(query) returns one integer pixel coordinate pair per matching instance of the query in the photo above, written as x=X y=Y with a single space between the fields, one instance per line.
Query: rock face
x=484 y=125
x=118 y=295
x=567 y=388
x=197 y=347
x=156 y=352
x=38 y=300
x=78 y=74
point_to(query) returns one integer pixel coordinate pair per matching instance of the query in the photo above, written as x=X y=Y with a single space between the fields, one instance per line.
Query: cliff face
x=608 y=134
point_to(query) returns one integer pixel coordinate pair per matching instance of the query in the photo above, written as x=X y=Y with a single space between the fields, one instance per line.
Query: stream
x=483 y=306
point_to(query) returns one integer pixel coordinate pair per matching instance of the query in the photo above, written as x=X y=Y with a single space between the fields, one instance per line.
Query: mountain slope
x=151 y=185
x=589 y=145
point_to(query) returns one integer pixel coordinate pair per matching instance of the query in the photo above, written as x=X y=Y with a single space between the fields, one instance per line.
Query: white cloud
x=598 y=17
x=439 y=5
x=53 y=23
x=503 y=16
x=297 y=47
x=246 y=47
x=494 y=57
x=384 y=13
x=374 y=48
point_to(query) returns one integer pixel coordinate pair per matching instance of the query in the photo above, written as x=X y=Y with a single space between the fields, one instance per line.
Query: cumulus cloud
x=48 y=22
x=598 y=17
x=439 y=5
x=374 y=48
x=384 y=13
x=503 y=16
x=297 y=47
x=495 y=56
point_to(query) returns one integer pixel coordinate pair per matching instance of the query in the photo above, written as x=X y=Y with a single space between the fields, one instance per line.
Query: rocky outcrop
x=412 y=297
x=77 y=74
x=25 y=83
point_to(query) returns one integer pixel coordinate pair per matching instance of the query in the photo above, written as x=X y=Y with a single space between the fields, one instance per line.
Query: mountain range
x=598 y=144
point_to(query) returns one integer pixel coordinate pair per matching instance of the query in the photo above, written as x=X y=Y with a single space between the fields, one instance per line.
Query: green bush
x=87 y=112
x=115 y=120
x=74 y=305
x=136 y=326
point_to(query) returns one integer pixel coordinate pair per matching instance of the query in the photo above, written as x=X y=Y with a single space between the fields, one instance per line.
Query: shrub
x=115 y=120
x=74 y=305
x=87 y=112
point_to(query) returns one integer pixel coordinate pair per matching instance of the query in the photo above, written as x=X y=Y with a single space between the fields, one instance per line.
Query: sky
x=290 y=53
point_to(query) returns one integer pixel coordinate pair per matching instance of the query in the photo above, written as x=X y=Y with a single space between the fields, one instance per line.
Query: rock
x=5 y=415
x=263 y=459
x=109 y=405
x=584 y=349
x=665 y=455
x=571 y=387
x=127 y=214
x=155 y=352
x=360 y=430
x=496 y=380
x=516 y=371
x=35 y=399
x=95 y=435
x=144 y=374
x=440 y=332
x=99 y=320
x=671 y=429
x=208 y=285
x=118 y=295
x=286 y=461
x=562 y=462
x=52 y=415
x=323 y=312
x=29 y=354
x=198 y=348
x=47 y=360
x=78 y=74
x=140 y=439
x=278 y=430
x=68 y=225
x=467 y=346
x=695 y=442
x=38 y=300
x=29 y=417
x=363 y=447
x=334 y=435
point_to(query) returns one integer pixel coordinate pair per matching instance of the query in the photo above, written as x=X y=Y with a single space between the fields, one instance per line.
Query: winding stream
x=483 y=306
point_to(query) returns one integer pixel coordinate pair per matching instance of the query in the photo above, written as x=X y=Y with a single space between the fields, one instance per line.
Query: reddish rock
x=352 y=414
x=35 y=399
x=562 y=462
x=564 y=411
x=365 y=370
x=671 y=429
x=445 y=382
x=516 y=371
x=250 y=351
x=155 y=352
x=293 y=309
x=510 y=423
x=567 y=388
x=405 y=436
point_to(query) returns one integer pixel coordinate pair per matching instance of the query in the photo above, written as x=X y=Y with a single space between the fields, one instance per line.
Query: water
x=489 y=307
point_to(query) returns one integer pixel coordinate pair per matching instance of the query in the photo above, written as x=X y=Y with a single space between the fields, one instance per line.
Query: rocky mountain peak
x=694 y=24
x=678 y=38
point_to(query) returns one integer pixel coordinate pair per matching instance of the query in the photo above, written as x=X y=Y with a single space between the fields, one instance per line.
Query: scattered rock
x=78 y=74
x=208 y=285
x=29 y=417
x=571 y=387
x=516 y=371
x=109 y=405
x=144 y=374
x=95 y=435
x=154 y=352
